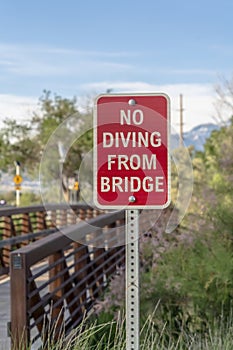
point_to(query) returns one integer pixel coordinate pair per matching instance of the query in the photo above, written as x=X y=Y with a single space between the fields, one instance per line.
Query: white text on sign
x=145 y=161
x=132 y=184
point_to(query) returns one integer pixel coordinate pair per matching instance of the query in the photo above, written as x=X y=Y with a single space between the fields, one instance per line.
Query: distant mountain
x=198 y=135
x=195 y=137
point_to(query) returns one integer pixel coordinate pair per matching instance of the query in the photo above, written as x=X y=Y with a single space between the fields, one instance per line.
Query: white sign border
x=131 y=206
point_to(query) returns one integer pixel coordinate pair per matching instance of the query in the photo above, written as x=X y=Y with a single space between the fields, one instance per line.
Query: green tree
x=18 y=144
x=26 y=142
x=53 y=111
x=218 y=161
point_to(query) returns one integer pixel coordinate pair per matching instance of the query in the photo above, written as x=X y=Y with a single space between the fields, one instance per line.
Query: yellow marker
x=17 y=179
x=76 y=186
x=18 y=187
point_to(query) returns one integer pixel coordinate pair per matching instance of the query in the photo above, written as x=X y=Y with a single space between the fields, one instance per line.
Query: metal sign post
x=132 y=170
x=132 y=280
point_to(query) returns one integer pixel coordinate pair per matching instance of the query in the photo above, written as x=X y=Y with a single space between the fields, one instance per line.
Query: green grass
x=110 y=335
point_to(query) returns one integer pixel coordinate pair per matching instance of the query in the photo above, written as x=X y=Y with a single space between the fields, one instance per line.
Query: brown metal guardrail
x=56 y=280
x=20 y=226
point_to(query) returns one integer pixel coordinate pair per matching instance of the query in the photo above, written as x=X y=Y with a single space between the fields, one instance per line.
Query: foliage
x=17 y=145
x=27 y=198
x=25 y=142
x=53 y=111
x=189 y=276
x=194 y=281
x=9 y=197
x=218 y=161
x=193 y=284
x=95 y=336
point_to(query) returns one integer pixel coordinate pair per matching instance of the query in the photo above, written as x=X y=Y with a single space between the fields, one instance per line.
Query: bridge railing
x=56 y=280
x=20 y=226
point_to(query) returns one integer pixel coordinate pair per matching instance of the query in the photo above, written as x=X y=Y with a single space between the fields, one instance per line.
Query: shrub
x=193 y=284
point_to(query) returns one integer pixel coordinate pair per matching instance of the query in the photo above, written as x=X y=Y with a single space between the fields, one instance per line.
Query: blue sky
x=85 y=47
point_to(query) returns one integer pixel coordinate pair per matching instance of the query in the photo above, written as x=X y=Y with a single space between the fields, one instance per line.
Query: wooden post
x=63 y=217
x=25 y=226
x=99 y=274
x=40 y=221
x=20 y=335
x=53 y=218
x=57 y=308
x=82 y=214
x=89 y=214
x=6 y=235
x=81 y=259
x=71 y=217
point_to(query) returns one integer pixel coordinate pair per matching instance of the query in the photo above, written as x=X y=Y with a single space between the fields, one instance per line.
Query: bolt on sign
x=131 y=153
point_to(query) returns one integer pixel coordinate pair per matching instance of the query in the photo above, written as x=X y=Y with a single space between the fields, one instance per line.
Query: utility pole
x=181 y=120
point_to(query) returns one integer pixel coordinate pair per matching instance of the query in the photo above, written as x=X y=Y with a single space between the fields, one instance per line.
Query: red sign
x=131 y=157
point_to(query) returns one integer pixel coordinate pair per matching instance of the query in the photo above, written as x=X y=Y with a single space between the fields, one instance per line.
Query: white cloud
x=17 y=107
x=191 y=71
x=198 y=99
x=38 y=61
x=16 y=49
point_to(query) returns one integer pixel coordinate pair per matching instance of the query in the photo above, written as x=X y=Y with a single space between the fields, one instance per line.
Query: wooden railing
x=20 y=226
x=56 y=280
